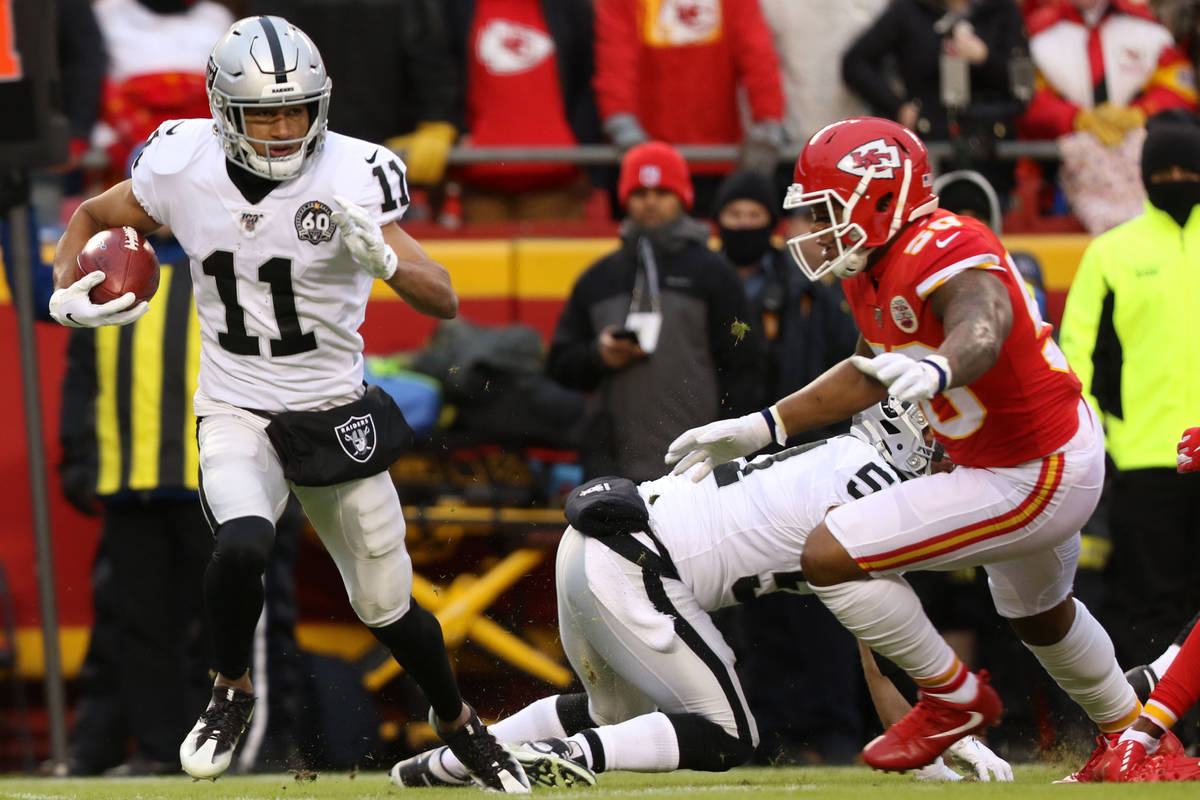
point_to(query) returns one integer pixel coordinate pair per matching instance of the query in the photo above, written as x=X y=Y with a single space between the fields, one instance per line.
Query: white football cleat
x=208 y=749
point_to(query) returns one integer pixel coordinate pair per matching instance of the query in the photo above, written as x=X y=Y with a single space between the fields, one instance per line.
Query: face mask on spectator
x=745 y=245
x=1177 y=198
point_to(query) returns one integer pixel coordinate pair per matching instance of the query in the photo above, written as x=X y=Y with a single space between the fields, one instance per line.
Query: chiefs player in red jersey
x=946 y=322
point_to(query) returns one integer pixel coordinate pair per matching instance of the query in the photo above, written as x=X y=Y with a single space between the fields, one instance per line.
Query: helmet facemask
x=229 y=115
x=897 y=431
x=266 y=63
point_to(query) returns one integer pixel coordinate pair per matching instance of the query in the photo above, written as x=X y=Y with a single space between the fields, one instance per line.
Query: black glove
x=79 y=487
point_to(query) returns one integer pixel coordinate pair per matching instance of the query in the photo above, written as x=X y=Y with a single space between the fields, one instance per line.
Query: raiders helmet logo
x=879 y=154
x=357 y=437
x=314 y=223
x=903 y=314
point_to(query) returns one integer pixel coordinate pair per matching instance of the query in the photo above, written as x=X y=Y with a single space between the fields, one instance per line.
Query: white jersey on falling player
x=739 y=532
x=279 y=298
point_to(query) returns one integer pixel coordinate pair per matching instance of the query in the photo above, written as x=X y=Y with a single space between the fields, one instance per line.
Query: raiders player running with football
x=639 y=569
x=287 y=226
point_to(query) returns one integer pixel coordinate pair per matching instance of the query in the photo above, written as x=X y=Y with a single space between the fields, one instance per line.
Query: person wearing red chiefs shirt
x=527 y=66
x=671 y=69
x=945 y=322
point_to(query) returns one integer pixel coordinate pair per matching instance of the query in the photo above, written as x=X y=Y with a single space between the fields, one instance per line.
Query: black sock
x=415 y=641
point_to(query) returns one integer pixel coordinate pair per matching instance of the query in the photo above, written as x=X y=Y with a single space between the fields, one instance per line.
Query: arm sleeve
x=862 y=65
x=755 y=60
x=573 y=360
x=1172 y=85
x=1081 y=320
x=739 y=362
x=1049 y=114
x=617 y=45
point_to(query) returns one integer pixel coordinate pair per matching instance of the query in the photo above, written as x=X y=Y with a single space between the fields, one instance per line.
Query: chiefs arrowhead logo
x=879 y=154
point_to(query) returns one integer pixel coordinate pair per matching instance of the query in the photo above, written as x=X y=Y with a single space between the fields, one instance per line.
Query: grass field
x=752 y=783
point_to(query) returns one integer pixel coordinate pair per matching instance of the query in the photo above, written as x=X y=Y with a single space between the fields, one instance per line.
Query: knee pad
x=244 y=544
x=704 y=745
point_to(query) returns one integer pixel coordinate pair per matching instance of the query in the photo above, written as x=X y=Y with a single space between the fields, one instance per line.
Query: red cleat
x=1167 y=767
x=1118 y=764
x=1105 y=742
x=930 y=727
x=1127 y=762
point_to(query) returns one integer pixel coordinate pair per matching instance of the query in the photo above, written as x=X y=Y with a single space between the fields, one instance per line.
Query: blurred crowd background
x=1034 y=112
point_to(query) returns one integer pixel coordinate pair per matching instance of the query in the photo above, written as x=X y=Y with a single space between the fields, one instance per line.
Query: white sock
x=886 y=614
x=1146 y=740
x=1084 y=664
x=643 y=744
x=1161 y=664
x=538 y=720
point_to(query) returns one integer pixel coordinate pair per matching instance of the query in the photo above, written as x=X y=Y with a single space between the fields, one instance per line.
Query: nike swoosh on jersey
x=947 y=240
x=171 y=130
x=71 y=317
x=371 y=160
x=975 y=719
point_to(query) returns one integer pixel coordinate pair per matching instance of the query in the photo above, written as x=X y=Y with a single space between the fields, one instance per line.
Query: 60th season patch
x=313 y=222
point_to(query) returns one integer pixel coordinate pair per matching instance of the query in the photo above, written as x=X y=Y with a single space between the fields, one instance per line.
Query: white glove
x=72 y=307
x=723 y=440
x=907 y=380
x=937 y=771
x=364 y=239
x=972 y=755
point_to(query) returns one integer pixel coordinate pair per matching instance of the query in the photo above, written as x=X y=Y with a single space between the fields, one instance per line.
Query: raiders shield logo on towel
x=357 y=437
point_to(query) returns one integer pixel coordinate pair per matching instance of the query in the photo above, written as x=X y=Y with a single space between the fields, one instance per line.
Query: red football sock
x=1180 y=686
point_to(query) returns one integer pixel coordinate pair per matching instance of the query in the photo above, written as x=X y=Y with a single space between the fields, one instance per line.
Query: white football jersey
x=739 y=532
x=279 y=298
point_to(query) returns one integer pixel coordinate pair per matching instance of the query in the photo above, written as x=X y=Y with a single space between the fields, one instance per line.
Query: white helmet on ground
x=267 y=62
x=897 y=431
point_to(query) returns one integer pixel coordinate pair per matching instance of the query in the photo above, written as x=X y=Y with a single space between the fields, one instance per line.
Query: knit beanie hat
x=747 y=185
x=1172 y=140
x=655 y=165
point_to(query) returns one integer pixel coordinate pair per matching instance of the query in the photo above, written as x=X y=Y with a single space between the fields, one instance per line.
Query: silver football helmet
x=266 y=61
x=897 y=431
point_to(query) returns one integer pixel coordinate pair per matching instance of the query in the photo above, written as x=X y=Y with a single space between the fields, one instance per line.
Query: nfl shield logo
x=903 y=315
x=357 y=437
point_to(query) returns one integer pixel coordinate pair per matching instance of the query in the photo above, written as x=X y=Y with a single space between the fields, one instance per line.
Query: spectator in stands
x=397 y=83
x=535 y=55
x=1103 y=66
x=156 y=55
x=129 y=456
x=813 y=88
x=674 y=75
x=656 y=329
x=1129 y=330
x=807 y=328
x=953 y=60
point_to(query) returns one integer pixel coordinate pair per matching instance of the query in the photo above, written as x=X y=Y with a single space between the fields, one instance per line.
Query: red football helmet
x=862 y=178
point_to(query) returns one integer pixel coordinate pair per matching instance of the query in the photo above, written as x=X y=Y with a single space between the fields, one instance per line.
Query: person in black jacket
x=397 y=83
x=939 y=49
x=659 y=330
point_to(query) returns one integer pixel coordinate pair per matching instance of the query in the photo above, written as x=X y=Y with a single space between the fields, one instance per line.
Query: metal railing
x=604 y=154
